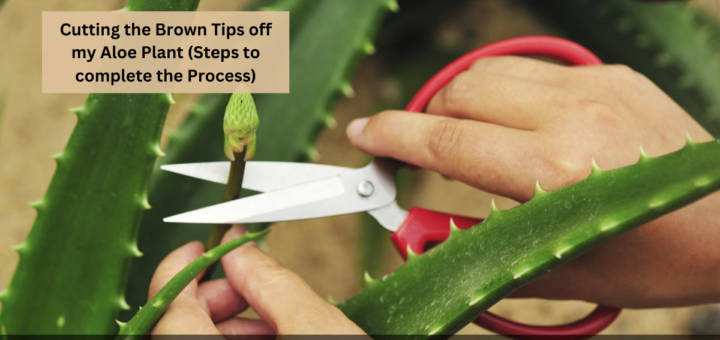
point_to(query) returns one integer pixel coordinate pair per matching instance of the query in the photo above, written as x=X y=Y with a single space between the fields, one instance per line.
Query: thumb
x=279 y=296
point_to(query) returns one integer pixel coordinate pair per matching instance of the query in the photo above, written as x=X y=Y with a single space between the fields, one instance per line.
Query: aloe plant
x=327 y=41
x=671 y=43
x=77 y=224
x=441 y=291
x=74 y=263
x=87 y=222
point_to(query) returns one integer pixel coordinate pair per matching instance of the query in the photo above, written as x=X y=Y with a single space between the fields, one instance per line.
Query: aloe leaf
x=709 y=22
x=74 y=263
x=671 y=43
x=146 y=317
x=324 y=51
x=441 y=291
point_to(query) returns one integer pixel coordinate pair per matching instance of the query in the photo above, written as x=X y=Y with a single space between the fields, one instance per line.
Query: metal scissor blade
x=248 y=209
x=390 y=216
x=259 y=176
x=336 y=195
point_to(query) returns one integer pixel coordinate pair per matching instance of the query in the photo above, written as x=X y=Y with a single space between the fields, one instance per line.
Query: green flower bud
x=240 y=124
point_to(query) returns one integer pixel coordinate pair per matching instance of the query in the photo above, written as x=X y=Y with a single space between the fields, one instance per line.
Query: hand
x=285 y=303
x=508 y=122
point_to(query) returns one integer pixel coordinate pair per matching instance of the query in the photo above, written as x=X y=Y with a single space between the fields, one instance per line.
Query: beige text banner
x=165 y=52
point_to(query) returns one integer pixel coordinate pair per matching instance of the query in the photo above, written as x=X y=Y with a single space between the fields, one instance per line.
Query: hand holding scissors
x=301 y=191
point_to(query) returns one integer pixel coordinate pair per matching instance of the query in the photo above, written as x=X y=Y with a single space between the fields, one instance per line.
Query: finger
x=502 y=100
x=185 y=315
x=242 y=326
x=524 y=68
x=277 y=294
x=220 y=299
x=479 y=154
x=172 y=264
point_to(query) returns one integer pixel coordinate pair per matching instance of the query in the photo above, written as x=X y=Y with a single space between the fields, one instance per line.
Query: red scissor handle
x=423 y=229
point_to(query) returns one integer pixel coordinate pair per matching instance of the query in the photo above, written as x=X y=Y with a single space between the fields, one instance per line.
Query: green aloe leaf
x=74 y=263
x=441 y=291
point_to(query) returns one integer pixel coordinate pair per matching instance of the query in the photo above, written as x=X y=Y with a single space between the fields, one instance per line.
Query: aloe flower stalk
x=240 y=125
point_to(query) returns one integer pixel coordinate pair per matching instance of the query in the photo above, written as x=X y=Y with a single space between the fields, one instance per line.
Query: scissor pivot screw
x=365 y=188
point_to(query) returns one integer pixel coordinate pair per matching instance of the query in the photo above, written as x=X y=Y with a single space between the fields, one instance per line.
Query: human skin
x=284 y=302
x=500 y=126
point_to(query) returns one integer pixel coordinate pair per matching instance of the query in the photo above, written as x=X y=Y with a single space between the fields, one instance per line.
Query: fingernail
x=356 y=127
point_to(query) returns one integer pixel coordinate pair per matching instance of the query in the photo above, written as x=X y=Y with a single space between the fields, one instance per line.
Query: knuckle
x=377 y=119
x=616 y=77
x=268 y=272
x=593 y=107
x=566 y=172
x=384 y=119
x=599 y=113
x=456 y=92
x=443 y=138
x=563 y=172
x=274 y=273
x=377 y=123
x=627 y=75
x=495 y=64
x=277 y=278
x=382 y=116
x=622 y=71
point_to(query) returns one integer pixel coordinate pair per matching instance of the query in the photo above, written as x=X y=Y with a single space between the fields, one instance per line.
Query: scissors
x=298 y=191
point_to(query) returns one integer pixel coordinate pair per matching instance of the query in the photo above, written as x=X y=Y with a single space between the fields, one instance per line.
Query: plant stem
x=233 y=189
x=147 y=316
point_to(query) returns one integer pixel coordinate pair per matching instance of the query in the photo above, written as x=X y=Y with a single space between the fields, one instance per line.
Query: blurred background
x=326 y=252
